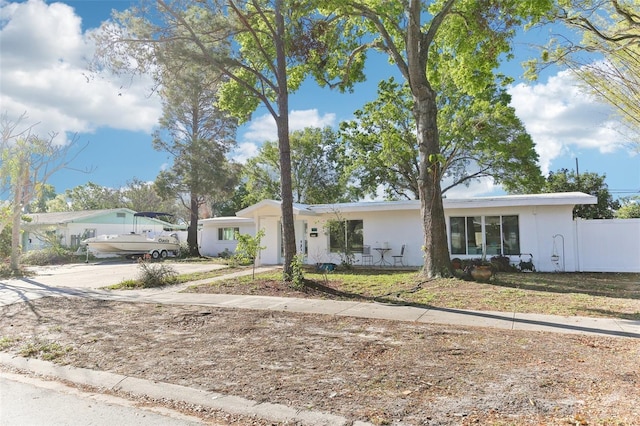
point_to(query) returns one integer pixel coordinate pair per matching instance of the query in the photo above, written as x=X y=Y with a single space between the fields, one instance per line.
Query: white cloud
x=264 y=129
x=43 y=72
x=476 y=188
x=244 y=151
x=560 y=116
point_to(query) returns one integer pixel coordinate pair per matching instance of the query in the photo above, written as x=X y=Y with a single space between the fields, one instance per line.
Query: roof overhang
x=272 y=207
x=551 y=199
x=226 y=220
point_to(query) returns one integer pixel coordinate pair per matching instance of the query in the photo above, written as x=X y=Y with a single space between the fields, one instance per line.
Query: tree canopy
x=480 y=137
x=590 y=183
x=317 y=177
x=198 y=135
x=629 y=208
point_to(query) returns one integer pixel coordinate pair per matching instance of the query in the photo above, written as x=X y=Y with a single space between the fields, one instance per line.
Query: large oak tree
x=461 y=39
x=480 y=137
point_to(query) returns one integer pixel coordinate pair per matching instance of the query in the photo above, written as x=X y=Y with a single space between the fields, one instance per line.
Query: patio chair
x=367 y=257
x=398 y=258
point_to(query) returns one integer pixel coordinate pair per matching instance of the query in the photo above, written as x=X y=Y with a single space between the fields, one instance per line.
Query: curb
x=161 y=390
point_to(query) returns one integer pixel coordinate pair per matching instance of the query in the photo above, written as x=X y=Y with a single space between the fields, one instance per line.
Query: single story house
x=70 y=228
x=537 y=227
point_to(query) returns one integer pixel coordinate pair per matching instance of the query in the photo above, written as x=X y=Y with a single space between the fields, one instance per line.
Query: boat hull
x=133 y=244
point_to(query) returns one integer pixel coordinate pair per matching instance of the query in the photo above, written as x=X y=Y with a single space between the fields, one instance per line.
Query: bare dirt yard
x=384 y=372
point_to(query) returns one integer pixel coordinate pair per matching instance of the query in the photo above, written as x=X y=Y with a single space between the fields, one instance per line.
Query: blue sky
x=44 y=46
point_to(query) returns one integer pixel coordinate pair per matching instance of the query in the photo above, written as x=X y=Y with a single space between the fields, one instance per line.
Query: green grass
x=177 y=279
x=47 y=351
x=585 y=294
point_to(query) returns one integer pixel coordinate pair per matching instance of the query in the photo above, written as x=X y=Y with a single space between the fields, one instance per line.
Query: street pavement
x=87 y=281
x=28 y=401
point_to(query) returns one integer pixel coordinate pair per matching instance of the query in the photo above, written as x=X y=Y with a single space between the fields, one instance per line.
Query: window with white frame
x=227 y=234
x=491 y=235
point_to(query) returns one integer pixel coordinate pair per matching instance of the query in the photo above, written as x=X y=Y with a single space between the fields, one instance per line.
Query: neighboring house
x=70 y=228
x=218 y=234
x=523 y=227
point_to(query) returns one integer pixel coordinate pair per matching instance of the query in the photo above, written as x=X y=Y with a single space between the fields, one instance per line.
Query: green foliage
x=42 y=349
x=92 y=196
x=317 y=173
x=54 y=255
x=589 y=183
x=630 y=208
x=156 y=274
x=135 y=195
x=248 y=247
x=5 y=242
x=297 y=272
x=480 y=136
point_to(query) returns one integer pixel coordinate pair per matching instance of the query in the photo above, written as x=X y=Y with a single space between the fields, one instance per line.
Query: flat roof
x=549 y=199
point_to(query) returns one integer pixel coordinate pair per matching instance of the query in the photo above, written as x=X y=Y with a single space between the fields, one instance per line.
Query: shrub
x=297 y=272
x=48 y=256
x=502 y=264
x=225 y=254
x=156 y=274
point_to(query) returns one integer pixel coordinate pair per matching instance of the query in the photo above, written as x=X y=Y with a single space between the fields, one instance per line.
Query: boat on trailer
x=135 y=244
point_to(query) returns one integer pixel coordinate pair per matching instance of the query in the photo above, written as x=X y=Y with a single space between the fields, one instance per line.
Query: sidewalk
x=402 y=312
x=612 y=327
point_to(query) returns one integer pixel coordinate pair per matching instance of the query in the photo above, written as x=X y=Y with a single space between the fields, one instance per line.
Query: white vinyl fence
x=608 y=245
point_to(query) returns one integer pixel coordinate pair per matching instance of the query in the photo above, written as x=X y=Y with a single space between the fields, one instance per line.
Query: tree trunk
x=425 y=110
x=282 y=123
x=436 y=252
x=21 y=183
x=192 y=231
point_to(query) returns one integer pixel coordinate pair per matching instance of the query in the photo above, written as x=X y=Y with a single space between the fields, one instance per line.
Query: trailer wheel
x=164 y=254
x=155 y=254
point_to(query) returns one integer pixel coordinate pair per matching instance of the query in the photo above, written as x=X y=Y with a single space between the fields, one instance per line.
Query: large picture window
x=345 y=236
x=491 y=235
x=227 y=234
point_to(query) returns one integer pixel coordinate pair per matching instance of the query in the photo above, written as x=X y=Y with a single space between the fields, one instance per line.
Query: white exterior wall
x=546 y=231
x=538 y=225
x=210 y=245
x=608 y=245
x=394 y=228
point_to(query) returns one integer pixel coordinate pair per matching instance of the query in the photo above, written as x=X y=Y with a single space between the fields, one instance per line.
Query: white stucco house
x=523 y=227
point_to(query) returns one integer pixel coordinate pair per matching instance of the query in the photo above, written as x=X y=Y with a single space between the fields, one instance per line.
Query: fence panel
x=608 y=245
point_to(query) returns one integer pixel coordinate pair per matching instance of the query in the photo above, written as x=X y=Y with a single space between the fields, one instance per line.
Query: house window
x=493 y=235
x=227 y=234
x=345 y=236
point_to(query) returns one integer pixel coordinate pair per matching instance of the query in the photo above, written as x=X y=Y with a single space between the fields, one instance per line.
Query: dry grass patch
x=584 y=294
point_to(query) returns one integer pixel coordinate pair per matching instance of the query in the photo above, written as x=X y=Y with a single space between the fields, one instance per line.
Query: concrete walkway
x=23 y=290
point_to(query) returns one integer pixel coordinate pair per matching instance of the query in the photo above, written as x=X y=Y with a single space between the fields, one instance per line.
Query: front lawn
x=584 y=294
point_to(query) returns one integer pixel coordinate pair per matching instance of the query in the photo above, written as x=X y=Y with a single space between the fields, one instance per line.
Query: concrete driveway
x=81 y=276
